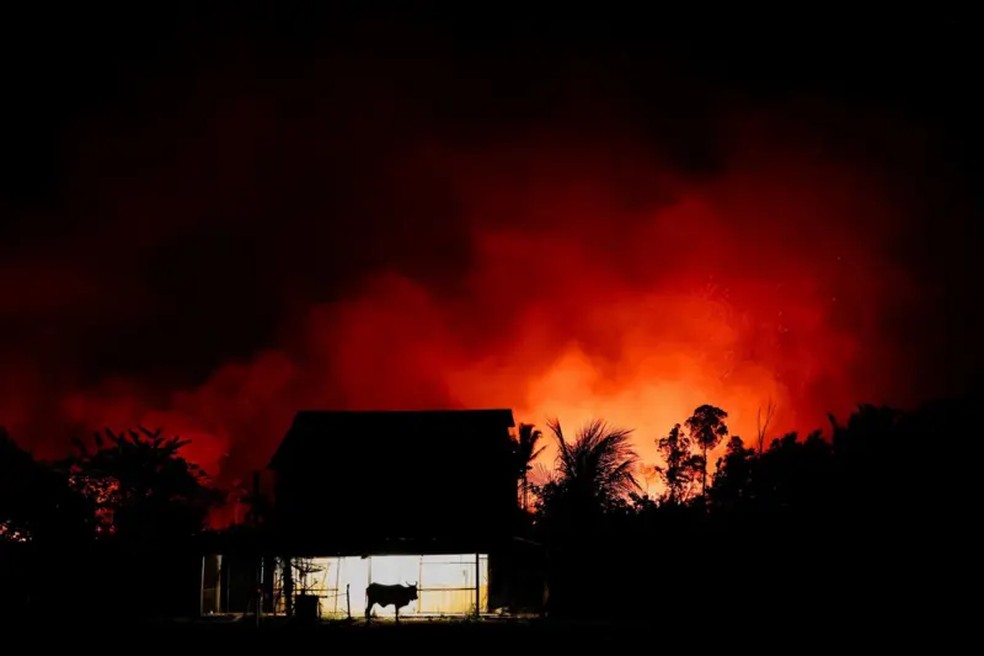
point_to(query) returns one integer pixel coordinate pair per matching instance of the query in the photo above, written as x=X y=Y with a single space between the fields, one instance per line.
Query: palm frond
x=598 y=464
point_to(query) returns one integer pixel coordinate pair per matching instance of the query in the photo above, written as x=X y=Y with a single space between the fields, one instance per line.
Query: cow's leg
x=369 y=610
x=397 y=613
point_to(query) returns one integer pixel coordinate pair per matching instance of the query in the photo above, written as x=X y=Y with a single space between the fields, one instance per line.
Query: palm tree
x=526 y=453
x=594 y=472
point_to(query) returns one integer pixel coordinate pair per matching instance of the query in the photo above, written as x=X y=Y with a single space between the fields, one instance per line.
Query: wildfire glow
x=590 y=283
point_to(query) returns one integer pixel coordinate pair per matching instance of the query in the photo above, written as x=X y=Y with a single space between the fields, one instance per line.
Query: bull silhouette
x=386 y=595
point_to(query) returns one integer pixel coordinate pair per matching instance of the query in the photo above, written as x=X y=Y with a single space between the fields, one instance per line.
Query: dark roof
x=385 y=478
x=315 y=433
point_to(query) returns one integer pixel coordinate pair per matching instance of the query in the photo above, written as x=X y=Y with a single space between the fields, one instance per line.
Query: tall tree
x=681 y=466
x=143 y=488
x=585 y=500
x=527 y=451
x=707 y=429
x=594 y=471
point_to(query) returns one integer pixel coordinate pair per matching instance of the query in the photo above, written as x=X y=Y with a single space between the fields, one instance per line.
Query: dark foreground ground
x=876 y=631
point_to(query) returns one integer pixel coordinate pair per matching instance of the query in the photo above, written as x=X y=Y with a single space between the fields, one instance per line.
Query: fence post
x=348 y=601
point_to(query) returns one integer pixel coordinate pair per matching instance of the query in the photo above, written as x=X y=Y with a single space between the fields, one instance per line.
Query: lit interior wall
x=445 y=583
x=211 y=601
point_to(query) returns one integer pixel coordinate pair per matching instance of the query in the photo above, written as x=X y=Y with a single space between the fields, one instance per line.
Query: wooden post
x=227 y=568
x=478 y=585
x=288 y=587
x=259 y=590
x=348 y=601
x=201 y=591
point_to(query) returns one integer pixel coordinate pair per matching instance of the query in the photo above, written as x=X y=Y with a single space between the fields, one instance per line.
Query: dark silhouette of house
x=359 y=480
x=426 y=497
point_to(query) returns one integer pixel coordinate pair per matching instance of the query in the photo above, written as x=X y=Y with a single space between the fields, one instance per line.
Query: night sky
x=211 y=220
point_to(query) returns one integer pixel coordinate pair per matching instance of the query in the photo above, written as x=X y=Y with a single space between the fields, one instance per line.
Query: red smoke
x=560 y=254
x=599 y=284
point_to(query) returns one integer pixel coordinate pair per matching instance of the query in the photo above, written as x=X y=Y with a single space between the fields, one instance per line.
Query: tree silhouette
x=707 y=429
x=681 y=466
x=794 y=476
x=733 y=477
x=142 y=487
x=870 y=449
x=594 y=472
x=527 y=451
x=36 y=502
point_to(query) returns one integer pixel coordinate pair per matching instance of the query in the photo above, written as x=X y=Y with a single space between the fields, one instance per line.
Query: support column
x=258 y=595
x=201 y=591
x=288 y=586
x=478 y=584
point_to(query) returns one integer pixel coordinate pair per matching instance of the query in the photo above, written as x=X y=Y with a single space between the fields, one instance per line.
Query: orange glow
x=588 y=291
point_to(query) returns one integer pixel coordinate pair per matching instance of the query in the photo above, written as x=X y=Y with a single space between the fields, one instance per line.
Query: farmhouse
x=425 y=498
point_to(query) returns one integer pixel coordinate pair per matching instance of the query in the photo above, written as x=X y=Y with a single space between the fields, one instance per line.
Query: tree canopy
x=141 y=486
